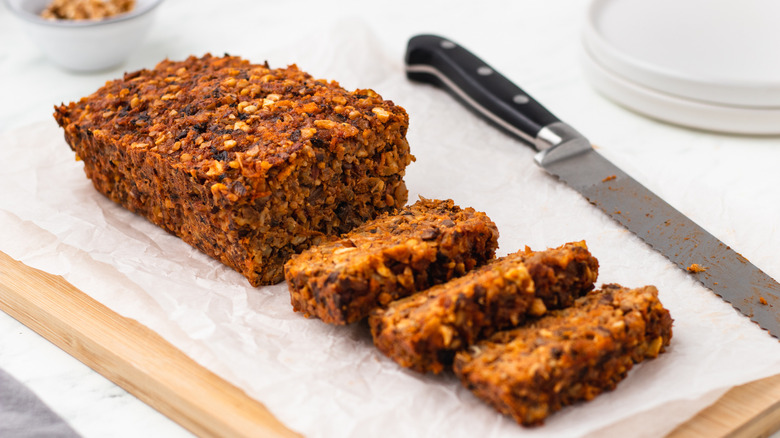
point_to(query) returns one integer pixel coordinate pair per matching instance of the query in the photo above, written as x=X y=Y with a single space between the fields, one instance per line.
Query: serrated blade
x=678 y=238
x=567 y=154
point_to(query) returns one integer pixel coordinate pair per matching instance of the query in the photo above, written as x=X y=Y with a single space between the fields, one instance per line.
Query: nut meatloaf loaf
x=388 y=258
x=424 y=331
x=568 y=355
x=247 y=163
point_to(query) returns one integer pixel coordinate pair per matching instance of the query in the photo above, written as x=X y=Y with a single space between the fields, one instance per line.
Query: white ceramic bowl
x=86 y=45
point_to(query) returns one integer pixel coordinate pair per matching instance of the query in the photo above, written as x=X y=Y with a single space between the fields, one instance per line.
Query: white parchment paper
x=328 y=381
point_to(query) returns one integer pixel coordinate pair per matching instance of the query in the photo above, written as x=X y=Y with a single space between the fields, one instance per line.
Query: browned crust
x=389 y=258
x=568 y=355
x=247 y=163
x=423 y=331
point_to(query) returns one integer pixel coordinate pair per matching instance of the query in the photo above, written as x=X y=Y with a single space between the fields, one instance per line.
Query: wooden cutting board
x=143 y=363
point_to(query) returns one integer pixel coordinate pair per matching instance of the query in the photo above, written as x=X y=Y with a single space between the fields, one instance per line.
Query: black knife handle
x=439 y=61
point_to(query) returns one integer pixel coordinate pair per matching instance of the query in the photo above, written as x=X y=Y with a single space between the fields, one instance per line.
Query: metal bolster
x=559 y=141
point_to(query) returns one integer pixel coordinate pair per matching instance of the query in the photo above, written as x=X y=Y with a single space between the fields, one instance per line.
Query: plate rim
x=745 y=93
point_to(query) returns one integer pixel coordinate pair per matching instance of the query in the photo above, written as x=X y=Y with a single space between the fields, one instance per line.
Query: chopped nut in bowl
x=86 y=9
x=86 y=35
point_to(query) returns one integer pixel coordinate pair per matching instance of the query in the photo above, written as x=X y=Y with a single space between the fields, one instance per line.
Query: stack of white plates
x=705 y=64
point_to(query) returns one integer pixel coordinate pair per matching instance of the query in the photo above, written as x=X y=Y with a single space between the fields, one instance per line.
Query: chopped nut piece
x=537 y=307
x=325 y=124
x=217 y=188
x=242 y=126
x=381 y=114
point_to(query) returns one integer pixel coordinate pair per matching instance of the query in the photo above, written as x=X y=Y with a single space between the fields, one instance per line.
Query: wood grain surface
x=748 y=411
x=132 y=356
x=147 y=366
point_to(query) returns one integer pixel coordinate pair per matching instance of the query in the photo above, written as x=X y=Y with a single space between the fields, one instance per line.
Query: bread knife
x=569 y=156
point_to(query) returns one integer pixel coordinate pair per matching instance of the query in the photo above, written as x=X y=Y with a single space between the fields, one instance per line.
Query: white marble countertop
x=724 y=182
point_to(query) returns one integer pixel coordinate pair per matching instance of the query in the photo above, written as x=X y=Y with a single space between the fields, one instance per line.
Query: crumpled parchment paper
x=326 y=381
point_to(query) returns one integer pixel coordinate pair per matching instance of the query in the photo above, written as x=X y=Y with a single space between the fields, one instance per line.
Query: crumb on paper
x=696 y=268
x=86 y=9
x=762 y=300
x=609 y=178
